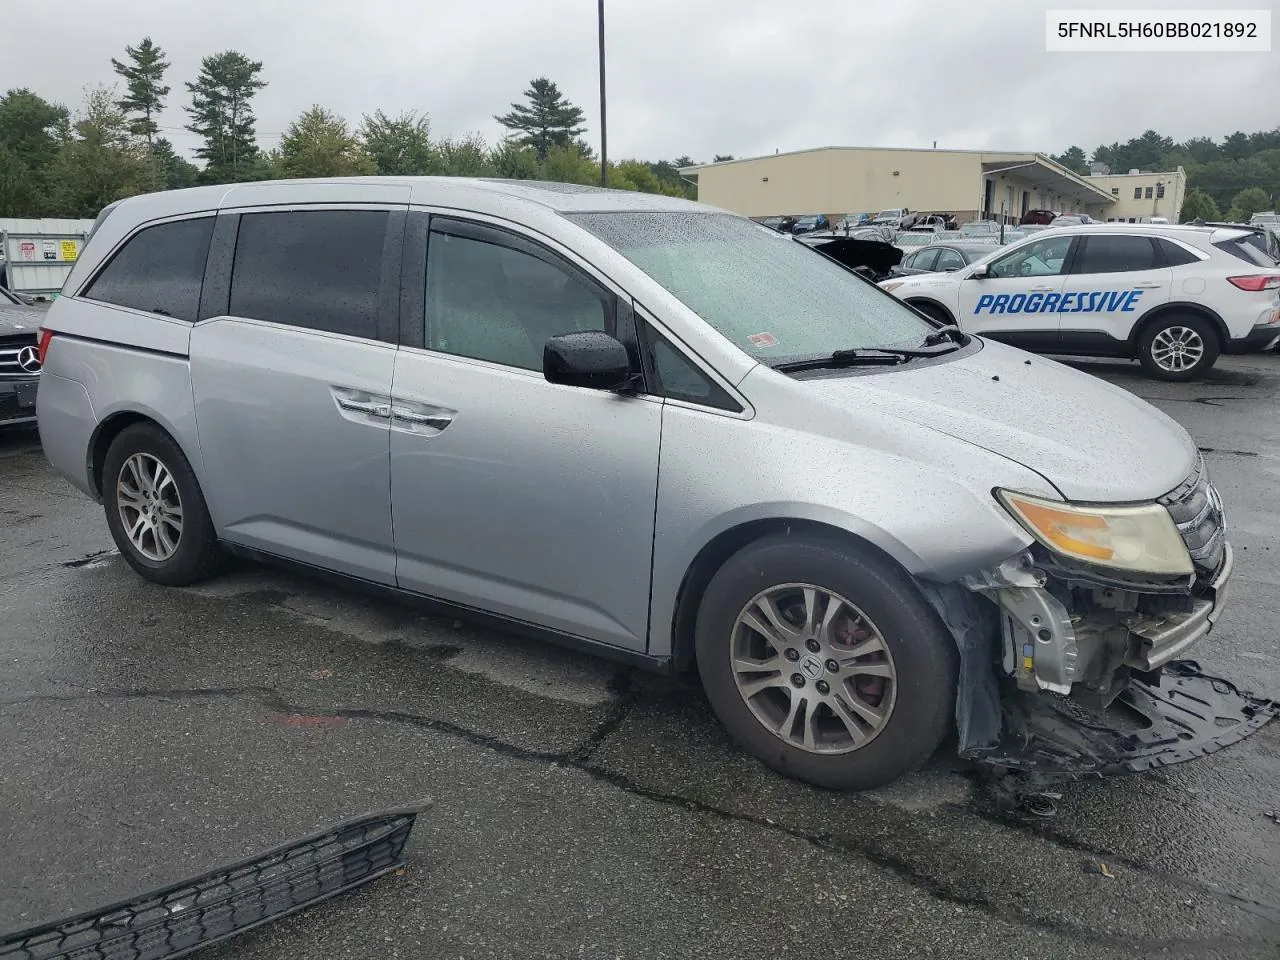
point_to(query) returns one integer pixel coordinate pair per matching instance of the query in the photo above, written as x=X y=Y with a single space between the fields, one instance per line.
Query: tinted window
x=1040 y=258
x=492 y=302
x=680 y=379
x=1246 y=249
x=949 y=260
x=318 y=269
x=1116 y=255
x=1174 y=255
x=159 y=270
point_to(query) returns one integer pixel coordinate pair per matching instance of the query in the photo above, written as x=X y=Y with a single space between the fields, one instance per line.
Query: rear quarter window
x=1174 y=255
x=160 y=270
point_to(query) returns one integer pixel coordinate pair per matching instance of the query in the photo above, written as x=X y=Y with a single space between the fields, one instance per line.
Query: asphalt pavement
x=583 y=809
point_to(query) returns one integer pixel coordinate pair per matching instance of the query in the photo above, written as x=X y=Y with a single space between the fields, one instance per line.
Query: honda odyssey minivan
x=637 y=425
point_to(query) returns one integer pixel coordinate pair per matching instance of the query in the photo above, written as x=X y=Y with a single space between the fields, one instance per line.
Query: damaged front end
x=1065 y=666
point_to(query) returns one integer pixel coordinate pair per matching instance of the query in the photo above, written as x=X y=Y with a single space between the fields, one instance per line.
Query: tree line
x=57 y=164
x=1231 y=179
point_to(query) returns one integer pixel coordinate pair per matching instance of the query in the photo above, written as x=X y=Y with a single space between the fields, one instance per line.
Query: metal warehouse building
x=968 y=183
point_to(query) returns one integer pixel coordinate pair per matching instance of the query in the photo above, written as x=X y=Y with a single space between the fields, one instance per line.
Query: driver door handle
x=437 y=421
x=1043 y=289
x=365 y=406
x=1148 y=286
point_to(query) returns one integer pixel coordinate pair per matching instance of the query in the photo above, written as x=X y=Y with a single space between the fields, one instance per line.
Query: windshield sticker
x=1097 y=301
x=763 y=339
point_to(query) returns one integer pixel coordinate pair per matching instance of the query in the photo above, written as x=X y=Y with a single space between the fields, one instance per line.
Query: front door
x=1112 y=281
x=513 y=495
x=1017 y=301
x=292 y=388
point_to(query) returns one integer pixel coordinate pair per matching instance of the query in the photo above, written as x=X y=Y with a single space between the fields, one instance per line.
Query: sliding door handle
x=437 y=421
x=371 y=407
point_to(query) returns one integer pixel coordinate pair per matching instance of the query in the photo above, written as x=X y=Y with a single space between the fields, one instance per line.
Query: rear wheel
x=825 y=663
x=155 y=510
x=1178 y=348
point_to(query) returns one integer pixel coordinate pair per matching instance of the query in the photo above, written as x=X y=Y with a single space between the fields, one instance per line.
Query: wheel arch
x=111 y=426
x=728 y=542
x=932 y=304
x=1176 y=308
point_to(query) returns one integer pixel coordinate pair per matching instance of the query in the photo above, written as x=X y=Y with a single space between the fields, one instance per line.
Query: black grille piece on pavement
x=176 y=920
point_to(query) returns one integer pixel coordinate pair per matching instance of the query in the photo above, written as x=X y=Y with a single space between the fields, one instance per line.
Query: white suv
x=1173 y=297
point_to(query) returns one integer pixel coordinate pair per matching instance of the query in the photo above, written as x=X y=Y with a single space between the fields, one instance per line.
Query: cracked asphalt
x=582 y=809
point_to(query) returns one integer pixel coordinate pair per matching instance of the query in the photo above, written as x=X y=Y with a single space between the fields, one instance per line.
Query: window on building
x=1133 y=219
x=1137 y=193
x=160 y=270
x=318 y=269
x=1115 y=191
x=1160 y=191
x=1147 y=193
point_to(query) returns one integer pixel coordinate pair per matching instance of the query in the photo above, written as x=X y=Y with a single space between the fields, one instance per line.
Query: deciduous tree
x=400 y=146
x=320 y=144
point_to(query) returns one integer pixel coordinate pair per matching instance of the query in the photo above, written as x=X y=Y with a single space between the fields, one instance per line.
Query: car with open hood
x=639 y=426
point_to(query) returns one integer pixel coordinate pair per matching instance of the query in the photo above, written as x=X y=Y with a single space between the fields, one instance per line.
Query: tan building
x=1142 y=195
x=842 y=180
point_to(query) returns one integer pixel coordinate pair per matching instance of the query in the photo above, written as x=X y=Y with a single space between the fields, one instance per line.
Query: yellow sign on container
x=70 y=249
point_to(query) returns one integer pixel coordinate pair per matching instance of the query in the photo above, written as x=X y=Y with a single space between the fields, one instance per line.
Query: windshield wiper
x=862 y=358
x=950 y=333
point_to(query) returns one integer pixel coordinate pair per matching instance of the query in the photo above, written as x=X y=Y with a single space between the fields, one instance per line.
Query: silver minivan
x=640 y=426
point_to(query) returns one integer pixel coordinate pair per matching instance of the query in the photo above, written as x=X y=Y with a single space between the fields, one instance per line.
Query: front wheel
x=1178 y=348
x=825 y=662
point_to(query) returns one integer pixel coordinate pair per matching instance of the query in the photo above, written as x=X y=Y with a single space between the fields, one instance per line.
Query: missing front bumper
x=1183 y=715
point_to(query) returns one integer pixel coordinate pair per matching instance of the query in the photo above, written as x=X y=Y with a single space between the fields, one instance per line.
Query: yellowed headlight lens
x=1141 y=539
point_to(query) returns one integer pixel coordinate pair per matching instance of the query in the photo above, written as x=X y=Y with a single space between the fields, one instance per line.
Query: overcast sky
x=694 y=77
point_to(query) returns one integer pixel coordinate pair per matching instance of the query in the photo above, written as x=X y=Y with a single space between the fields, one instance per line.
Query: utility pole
x=604 y=136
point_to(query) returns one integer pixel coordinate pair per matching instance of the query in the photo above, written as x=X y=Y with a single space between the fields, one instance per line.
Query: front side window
x=770 y=295
x=677 y=377
x=1112 y=254
x=1040 y=258
x=315 y=269
x=159 y=270
x=949 y=260
x=491 y=301
x=925 y=260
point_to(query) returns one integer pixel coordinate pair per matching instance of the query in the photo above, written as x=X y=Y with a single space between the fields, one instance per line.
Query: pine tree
x=144 y=78
x=547 y=120
x=221 y=112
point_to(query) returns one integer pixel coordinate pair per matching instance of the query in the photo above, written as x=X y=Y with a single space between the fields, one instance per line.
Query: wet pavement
x=582 y=809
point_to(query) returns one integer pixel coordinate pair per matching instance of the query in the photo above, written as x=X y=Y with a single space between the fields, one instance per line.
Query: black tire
x=936 y=314
x=197 y=555
x=923 y=652
x=1202 y=328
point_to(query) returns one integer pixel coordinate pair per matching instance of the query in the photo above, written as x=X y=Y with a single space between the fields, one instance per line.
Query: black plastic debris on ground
x=1050 y=739
x=188 y=916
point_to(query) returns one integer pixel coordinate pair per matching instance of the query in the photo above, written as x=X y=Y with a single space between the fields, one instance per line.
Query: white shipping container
x=36 y=255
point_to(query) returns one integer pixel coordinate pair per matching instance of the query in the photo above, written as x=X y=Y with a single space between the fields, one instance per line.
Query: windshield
x=889 y=215
x=774 y=297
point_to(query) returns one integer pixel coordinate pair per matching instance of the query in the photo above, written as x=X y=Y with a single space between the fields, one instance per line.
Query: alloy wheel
x=150 y=506
x=813 y=668
x=1177 y=349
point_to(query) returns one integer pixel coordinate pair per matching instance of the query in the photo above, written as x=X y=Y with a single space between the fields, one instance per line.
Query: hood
x=16 y=320
x=1091 y=440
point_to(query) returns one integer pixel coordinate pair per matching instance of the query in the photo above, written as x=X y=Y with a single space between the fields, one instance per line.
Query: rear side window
x=1174 y=255
x=316 y=269
x=1102 y=254
x=160 y=270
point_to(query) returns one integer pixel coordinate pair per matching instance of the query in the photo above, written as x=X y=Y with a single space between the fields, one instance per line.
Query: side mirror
x=591 y=359
x=978 y=272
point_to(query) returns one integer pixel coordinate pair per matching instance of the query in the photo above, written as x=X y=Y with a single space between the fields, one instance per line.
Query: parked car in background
x=1042 y=217
x=929 y=223
x=773 y=223
x=1172 y=297
x=940 y=258
x=868 y=255
x=900 y=218
x=811 y=223
x=852 y=220
x=19 y=359
x=275 y=369
x=1072 y=220
x=989 y=229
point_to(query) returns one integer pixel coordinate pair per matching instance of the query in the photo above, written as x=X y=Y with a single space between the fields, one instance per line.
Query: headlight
x=890 y=287
x=1141 y=539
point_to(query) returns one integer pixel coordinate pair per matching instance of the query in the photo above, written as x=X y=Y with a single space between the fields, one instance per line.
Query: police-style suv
x=1173 y=297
